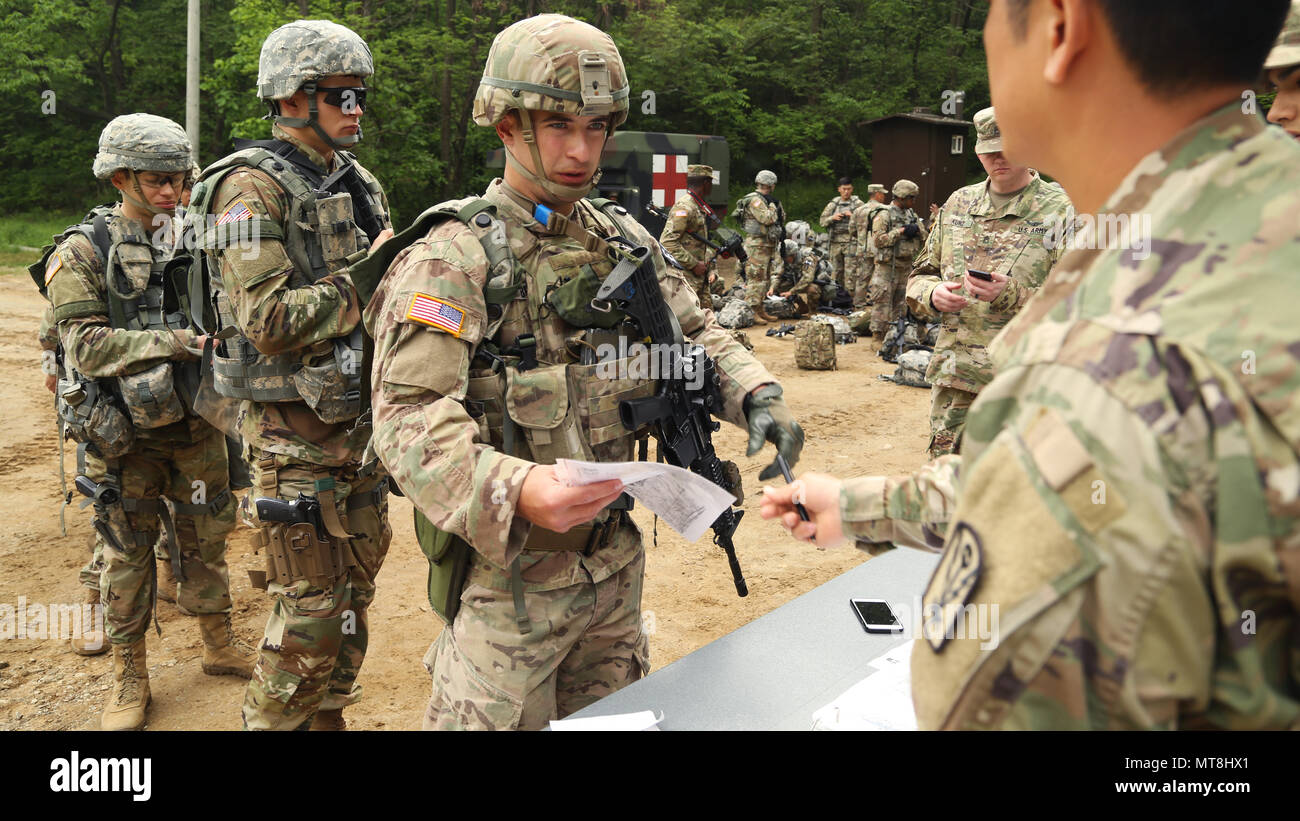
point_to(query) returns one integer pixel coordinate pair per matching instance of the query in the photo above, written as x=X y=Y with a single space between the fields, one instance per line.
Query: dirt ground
x=856 y=424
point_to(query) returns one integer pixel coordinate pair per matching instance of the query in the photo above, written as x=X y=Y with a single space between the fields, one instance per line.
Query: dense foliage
x=790 y=83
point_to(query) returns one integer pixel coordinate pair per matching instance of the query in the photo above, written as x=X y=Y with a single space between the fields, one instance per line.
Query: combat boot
x=166 y=581
x=130 y=695
x=762 y=317
x=224 y=654
x=329 y=720
x=92 y=640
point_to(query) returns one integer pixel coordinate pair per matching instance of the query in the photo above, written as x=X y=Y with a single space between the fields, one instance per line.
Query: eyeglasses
x=155 y=182
x=346 y=98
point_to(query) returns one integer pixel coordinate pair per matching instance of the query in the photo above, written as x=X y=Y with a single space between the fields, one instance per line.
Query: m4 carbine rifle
x=680 y=415
x=732 y=246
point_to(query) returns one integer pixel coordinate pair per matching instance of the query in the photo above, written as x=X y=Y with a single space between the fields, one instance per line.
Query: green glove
x=770 y=420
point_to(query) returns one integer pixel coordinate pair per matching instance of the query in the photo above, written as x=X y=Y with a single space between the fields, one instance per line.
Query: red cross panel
x=668 y=179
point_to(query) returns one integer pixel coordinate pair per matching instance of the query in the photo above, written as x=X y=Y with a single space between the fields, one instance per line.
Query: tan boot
x=130 y=695
x=166 y=581
x=329 y=720
x=92 y=640
x=758 y=316
x=224 y=654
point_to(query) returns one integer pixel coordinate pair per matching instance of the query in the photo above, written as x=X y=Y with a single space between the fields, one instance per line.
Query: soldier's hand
x=946 y=299
x=384 y=236
x=700 y=268
x=770 y=420
x=50 y=381
x=987 y=291
x=544 y=501
x=911 y=230
x=820 y=496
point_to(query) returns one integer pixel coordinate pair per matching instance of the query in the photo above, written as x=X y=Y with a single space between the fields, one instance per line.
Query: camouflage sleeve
x=927 y=273
x=807 y=271
x=92 y=346
x=861 y=228
x=1080 y=533
x=763 y=211
x=880 y=233
x=675 y=227
x=275 y=317
x=826 y=214
x=423 y=434
x=48 y=334
x=911 y=510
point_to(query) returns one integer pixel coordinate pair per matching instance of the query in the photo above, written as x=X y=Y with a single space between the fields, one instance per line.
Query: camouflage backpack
x=814 y=347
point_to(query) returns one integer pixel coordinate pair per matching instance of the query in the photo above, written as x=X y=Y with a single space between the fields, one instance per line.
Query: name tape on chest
x=52 y=267
x=436 y=313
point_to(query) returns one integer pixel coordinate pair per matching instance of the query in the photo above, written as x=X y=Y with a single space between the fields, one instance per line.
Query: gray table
x=776 y=671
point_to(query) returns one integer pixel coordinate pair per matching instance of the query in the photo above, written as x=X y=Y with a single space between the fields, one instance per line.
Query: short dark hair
x=845 y=181
x=1182 y=45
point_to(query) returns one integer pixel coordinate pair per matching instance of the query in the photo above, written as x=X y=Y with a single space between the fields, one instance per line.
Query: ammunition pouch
x=572 y=301
x=449 y=564
x=150 y=397
x=91 y=415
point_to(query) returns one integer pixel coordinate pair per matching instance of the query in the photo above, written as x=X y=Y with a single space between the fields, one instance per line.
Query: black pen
x=789 y=480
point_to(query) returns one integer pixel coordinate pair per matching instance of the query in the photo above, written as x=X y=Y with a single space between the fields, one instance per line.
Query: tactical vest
x=754 y=228
x=841 y=230
x=536 y=389
x=135 y=279
x=320 y=237
x=903 y=249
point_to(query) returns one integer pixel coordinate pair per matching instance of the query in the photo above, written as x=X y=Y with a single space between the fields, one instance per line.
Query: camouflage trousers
x=759 y=270
x=806 y=299
x=586 y=642
x=948 y=407
x=861 y=288
x=841 y=260
x=192 y=476
x=888 y=293
x=316 y=636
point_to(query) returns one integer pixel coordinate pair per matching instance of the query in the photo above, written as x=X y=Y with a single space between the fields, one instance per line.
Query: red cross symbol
x=668 y=179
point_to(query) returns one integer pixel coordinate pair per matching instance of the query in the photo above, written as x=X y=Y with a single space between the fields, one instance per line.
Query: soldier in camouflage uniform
x=295 y=365
x=1283 y=75
x=114 y=330
x=898 y=235
x=1126 y=491
x=550 y=616
x=762 y=217
x=692 y=214
x=998 y=226
x=795 y=281
x=837 y=217
x=865 y=247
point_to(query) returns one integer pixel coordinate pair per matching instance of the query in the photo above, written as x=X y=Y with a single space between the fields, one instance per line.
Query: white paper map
x=881 y=701
x=687 y=503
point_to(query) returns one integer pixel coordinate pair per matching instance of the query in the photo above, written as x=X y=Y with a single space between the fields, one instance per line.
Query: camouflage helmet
x=142 y=142
x=553 y=63
x=789 y=248
x=765 y=177
x=906 y=188
x=1286 y=51
x=306 y=51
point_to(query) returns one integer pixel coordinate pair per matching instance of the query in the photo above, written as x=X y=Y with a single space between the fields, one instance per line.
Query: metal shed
x=928 y=149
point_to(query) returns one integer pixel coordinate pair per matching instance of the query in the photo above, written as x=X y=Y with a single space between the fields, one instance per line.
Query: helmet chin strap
x=142 y=203
x=310 y=122
x=566 y=193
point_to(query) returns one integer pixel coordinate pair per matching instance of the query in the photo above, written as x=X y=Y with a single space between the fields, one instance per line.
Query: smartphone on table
x=876 y=616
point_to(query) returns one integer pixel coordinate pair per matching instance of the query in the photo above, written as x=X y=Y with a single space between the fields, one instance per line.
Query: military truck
x=650 y=167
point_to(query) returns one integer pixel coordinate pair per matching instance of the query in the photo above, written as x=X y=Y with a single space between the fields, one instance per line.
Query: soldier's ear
x=507 y=128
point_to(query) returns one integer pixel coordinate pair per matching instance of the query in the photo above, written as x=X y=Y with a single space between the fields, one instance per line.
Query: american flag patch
x=236 y=212
x=52 y=267
x=436 y=313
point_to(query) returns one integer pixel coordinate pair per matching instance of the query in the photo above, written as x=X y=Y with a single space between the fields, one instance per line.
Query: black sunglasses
x=348 y=98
